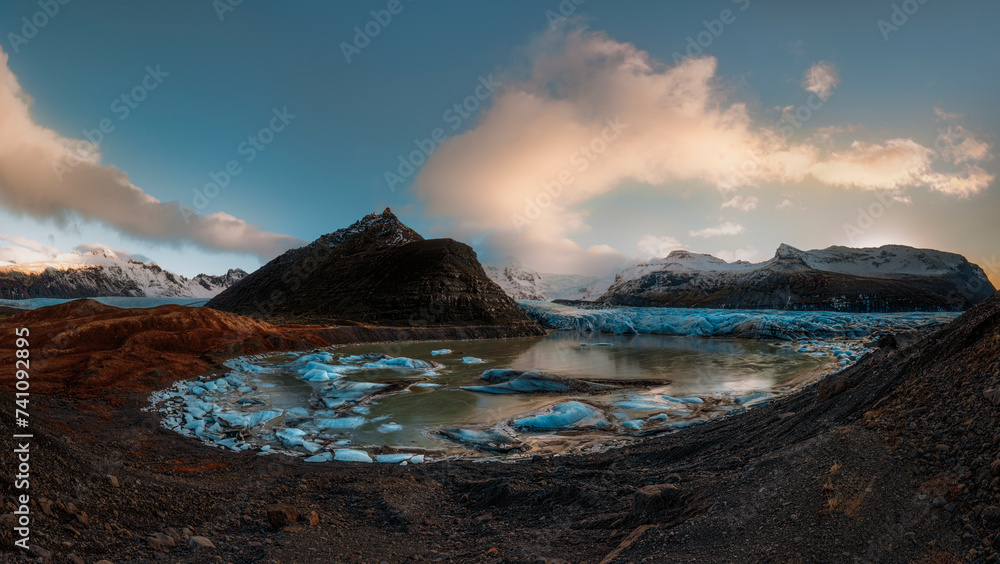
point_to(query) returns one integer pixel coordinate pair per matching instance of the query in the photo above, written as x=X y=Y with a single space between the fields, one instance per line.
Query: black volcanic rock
x=380 y=272
x=887 y=279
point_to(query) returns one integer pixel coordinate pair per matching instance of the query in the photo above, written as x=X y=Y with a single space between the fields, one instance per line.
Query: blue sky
x=226 y=76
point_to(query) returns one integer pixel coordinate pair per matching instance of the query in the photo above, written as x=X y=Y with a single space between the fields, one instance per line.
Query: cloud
x=725 y=229
x=92 y=247
x=749 y=254
x=651 y=246
x=821 y=79
x=50 y=177
x=785 y=205
x=23 y=250
x=739 y=202
x=588 y=114
x=959 y=145
x=947 y=116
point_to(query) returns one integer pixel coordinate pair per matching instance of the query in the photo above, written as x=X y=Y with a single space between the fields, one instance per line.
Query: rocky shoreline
x=897 y=464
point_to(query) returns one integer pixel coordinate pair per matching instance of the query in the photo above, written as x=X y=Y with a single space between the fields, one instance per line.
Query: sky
x=576 y=136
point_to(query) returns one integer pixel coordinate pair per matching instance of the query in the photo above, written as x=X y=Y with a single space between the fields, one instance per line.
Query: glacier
x=753 y=324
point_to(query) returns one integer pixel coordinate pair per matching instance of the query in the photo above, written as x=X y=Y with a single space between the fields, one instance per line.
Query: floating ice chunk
x=683 y=424
x=392 y=458
x=257 y=418
x=298 y=412
x=198 y=391
x=564 y=415
x=428 y=385
x=472 y=360
x=509 y=381
x=362 y=409
x=417 y=459
x=232 y=419
x=316 y=376
x=400 y=362
x=320 y=356
x=341 y=423
x=296 y=437
x=321 y=457
x=658 y=417
x=753 y=398
x=643 y=404
x=232 y=444
x=491 y=439
x=343 y=391
x=331 y=368
x=682 y=400
x=351 y=455
x=389 y=428
x=635 y=424
x=441 y=351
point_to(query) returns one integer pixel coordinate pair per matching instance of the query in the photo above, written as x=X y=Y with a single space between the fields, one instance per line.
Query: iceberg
x=472 y=360
x=441 y=351
x=491 y=439
x=509 y=381
x=392 y=458
x=351 y=455
x=571 y=414
x=389 y=428
x=400 y=362
x=753 y=398
x=341 y=423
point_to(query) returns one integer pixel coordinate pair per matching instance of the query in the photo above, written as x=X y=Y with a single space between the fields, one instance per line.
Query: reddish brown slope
x=87 y=349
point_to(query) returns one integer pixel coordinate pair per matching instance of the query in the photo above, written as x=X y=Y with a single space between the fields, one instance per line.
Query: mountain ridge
x=102 y=273
x=873 y=279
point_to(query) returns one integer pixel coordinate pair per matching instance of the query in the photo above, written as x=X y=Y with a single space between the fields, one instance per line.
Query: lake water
x=419 y=402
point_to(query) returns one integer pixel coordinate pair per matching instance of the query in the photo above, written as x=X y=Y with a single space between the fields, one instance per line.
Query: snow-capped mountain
x=888 y=278
x=523 y=283
x=104 y=274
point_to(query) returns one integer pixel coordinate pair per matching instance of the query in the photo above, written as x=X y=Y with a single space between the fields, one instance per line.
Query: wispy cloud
x=727 y=228
x=32 y=183
x=651 y=246
x=746 y=204
x=821 y=79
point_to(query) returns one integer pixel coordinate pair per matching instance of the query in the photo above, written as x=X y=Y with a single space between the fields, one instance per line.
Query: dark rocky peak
x=374 y=231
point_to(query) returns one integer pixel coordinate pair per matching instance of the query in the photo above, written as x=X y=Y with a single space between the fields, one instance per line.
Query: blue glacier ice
x=759 y=324
x=562 y=416
x=441 y=351
x=341 y=423
x=352 y=455
x=400 y=362
x=472 y=360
